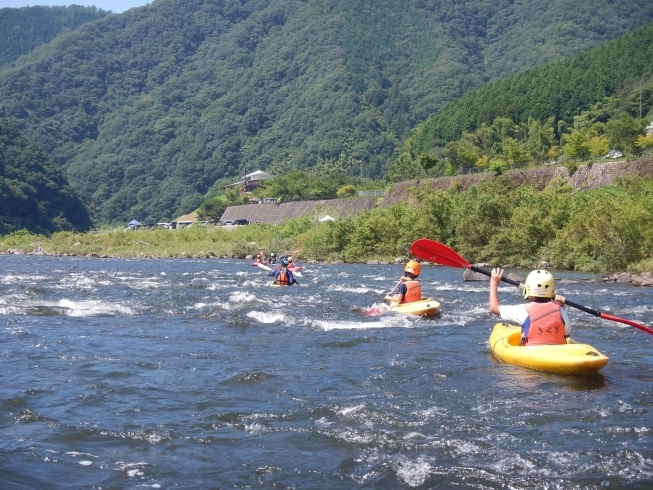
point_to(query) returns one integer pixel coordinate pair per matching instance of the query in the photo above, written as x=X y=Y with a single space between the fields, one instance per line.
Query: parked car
x=241 y=222
x=614 y=154
x=228 y=222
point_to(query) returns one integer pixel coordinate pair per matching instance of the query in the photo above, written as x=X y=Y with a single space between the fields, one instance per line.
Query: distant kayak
x=569 y=358
x=425 y=307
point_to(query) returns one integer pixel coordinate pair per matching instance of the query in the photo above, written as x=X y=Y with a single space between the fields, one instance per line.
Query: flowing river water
x=194 y=374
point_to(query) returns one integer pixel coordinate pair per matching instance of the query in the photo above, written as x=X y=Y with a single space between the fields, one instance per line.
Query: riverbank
x=600 y=230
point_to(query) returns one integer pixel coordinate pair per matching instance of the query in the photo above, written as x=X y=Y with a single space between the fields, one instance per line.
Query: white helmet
x=539 y=284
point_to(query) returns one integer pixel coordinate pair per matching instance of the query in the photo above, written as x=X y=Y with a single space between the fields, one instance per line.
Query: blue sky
x=116 y=6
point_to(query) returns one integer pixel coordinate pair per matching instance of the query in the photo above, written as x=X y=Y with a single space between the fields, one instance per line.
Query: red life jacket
x=413 y=293
x=282 y=279
x=546 y=325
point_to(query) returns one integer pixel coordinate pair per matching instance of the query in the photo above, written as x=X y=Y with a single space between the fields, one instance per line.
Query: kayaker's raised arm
x=495 y=279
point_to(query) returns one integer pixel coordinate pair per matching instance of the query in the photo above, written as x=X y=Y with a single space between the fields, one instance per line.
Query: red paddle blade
x=643 y=328
x=437 y=252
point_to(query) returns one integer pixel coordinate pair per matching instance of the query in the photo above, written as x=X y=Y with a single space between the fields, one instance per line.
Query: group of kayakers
x=262 y=259
x=542 y=319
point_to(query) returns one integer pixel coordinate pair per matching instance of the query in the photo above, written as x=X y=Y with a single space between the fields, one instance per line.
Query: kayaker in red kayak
x=293 y=266
x=409 y=288
x=542 y=319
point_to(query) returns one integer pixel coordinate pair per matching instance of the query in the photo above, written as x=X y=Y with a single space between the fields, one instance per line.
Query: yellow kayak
x=569 y=358
x=425 y=307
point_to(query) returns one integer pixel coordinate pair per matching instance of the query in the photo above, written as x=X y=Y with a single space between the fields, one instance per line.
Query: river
x=191 y=373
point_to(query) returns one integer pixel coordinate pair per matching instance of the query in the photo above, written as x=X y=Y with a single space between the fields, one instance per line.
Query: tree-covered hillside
x=611 y=81
x=25 y=28
x=147 y=109
x=34 y=189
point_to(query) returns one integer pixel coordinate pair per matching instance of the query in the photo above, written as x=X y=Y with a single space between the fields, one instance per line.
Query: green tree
x=644 y=142
x=622 y=132
x=347 y=190
x=515 y=152
x=541 y=138
x=212 y=209
x=462 y=153
x=577 y=144
x=598 y=145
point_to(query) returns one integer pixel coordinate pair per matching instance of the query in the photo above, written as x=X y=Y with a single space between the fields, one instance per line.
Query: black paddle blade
x=437 y=252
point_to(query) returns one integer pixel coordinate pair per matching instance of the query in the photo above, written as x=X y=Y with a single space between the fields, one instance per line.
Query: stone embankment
x=585 y=177
x=272 y=214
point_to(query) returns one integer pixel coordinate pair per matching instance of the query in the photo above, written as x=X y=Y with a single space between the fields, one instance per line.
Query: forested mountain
x=25 y=28
x=146 y=109
x=33 y=188
x=614 y=80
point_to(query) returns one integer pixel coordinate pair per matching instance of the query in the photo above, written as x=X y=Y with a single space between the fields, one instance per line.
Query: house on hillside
x=250 y=181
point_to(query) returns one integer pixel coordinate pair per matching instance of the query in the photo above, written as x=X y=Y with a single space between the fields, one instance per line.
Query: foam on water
x=76 y=281
x=348 y=289
x=20 y=279
x=83 y=308
x=390 y=321
x=413 y=472
x=239 y=297
x=268 y=317
x=92 y=308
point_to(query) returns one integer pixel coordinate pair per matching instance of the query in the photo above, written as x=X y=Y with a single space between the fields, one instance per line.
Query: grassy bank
x=196 y=241
x=601 y=230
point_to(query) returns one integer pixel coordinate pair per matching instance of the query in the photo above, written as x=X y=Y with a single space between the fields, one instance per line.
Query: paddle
x=437 y=252
x=263 y=266
x=393 y=290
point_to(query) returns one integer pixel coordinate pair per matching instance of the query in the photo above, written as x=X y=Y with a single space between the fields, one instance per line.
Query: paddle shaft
x=441 y=254
x=393 y=289
x=596 y=313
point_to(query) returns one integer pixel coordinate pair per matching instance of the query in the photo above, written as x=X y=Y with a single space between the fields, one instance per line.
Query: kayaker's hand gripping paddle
x=441 y=254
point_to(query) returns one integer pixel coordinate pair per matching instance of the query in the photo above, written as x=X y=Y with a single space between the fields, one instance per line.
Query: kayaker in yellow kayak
x=542 y=319
x=408 y=289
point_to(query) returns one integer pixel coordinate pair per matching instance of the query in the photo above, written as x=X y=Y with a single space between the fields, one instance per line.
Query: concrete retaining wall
x=272 y=214
x=586 y=177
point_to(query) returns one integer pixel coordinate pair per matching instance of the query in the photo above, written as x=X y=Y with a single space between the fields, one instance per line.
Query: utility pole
x=640 y=98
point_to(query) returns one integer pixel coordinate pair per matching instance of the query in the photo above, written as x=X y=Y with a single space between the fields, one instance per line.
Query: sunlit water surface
x=195 y=374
